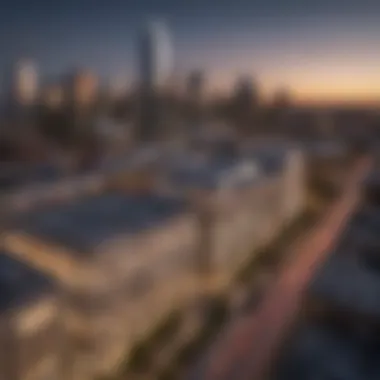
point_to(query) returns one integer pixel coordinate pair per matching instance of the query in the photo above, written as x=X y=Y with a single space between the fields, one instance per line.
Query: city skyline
x=322 y=52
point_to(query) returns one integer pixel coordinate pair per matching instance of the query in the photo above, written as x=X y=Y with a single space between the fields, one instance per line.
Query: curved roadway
x=247 y=349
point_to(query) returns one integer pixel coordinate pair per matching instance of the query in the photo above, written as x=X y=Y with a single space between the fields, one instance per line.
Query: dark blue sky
x=317 y=47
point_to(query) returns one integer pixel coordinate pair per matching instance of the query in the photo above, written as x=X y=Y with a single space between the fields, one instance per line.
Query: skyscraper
x=155 y=55
x=246 y=93
x=195 y=85
x=82 y=87
x=245 y=104
x=81 y=92
x=24 y=86
x=21 y=90
x=281 y=107
x=194 y=93
x=155 y=60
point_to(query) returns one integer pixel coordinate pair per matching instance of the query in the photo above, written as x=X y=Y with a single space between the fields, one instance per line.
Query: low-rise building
x=130 y=245
x=32 y=335
x=124 y=260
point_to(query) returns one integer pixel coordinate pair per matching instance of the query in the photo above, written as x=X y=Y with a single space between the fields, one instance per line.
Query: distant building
x=117 y=87
x=155 y=56
x=81 y=94
x=155 y=59
x=24 y=87
x=282 y=99
x=115 y=136
x=244 y=103
x=21 y=90
x=81 y=88
x=246 y=93
x=325 y=124
x=52 y=96
x=194 y=94
x=195 y=85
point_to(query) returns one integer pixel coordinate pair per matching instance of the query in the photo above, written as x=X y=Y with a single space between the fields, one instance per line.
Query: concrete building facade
x=127 y=253
x=119 y=258
x=32 y=333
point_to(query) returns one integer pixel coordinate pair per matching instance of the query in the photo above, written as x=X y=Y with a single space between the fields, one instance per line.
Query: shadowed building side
x=33 y=337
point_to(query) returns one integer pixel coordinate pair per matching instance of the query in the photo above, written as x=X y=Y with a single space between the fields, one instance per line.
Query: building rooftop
x=85 y=223
x=20 y=284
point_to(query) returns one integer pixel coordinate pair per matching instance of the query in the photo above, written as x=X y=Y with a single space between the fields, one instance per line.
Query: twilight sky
x=322 y=50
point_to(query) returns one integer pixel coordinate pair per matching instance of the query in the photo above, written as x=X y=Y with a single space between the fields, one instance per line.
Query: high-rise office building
x=52 y=96
x=246 y=93
x=21 y=90
x=155 y=53
x=82 y=88
x=81 y=93
x=155 y=60
x=195 y=85
x=194 y=94
x=24 y=86
x=245 y=104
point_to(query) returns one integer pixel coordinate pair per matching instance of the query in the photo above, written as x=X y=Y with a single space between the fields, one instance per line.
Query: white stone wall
x=293 y=184
x=253 y=220
x=158 y=263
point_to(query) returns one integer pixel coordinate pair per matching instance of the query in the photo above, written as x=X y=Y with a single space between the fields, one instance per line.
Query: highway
x=248 y=347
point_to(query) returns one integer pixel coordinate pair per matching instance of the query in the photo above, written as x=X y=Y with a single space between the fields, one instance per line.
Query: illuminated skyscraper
x=155 y=61
x=195 y=92
x=21 y=91
x=24 y=87
x=81 y=93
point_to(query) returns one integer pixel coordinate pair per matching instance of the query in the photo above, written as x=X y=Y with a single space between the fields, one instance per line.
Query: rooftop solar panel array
x=19 y=283
x=85 y=223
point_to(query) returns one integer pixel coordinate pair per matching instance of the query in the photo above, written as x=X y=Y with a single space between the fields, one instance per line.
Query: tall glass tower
x=155 y=62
